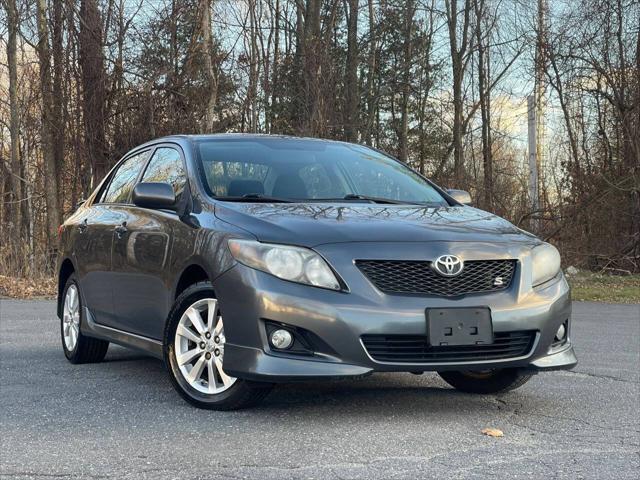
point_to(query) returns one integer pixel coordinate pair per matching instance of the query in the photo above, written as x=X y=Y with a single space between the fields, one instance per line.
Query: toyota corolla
x=244 y=260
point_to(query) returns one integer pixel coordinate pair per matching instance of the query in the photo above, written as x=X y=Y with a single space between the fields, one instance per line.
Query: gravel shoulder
x=121 y=418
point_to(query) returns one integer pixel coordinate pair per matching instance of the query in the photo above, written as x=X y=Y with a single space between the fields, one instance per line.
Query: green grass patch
x=596 y=287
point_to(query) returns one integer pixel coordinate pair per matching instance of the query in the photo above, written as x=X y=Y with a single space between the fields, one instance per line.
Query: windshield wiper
x=355 y=196
x=388 y=201
x=255 y=197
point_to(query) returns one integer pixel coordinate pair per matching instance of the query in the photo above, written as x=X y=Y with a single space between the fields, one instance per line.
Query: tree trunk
x=407 y=62
x=351 y=76
x=47 y=127
x=252 y=92
x=371 y=72
x=14 y=198
x=458 y=66
x=91 y=60
x=59 y=123
x=207 y=52
x=275 y=87
x=482 y=39
x=312 y=67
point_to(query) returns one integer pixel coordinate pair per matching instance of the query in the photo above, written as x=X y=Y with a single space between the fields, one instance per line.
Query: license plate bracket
x=459 y=326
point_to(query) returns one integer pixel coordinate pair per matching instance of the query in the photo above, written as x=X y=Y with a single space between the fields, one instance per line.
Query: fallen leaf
x=15 y=287
x=493 y=432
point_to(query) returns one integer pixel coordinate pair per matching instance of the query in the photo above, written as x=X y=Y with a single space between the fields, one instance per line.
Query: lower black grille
x=416 y=348
x=417 y=277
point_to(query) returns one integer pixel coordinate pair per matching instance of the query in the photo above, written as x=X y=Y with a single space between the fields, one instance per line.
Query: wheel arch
x=190 y=275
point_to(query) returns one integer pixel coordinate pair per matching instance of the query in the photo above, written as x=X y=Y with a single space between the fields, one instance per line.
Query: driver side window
x=124 y=179
x=166 y=166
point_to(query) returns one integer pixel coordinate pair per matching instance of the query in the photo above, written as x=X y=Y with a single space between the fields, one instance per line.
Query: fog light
x=281 y=339
x=562 y=331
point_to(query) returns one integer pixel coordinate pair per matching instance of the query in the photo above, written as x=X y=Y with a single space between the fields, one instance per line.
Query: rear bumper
x=249 y=298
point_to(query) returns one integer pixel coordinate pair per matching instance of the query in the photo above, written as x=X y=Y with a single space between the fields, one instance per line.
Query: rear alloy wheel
x=486 y=381
x=77 y=347
x=71 y=318
x=194 y=352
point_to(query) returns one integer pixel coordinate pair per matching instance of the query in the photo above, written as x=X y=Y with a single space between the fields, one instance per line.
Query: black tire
x=242 y=394
x=86 y=349
x=491 y=381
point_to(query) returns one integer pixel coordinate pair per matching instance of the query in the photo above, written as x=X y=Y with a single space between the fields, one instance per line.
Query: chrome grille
x=417 y=277
x=416 y=348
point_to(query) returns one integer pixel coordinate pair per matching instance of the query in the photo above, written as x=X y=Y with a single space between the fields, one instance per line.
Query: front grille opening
x=416 y=348
x=417 y=277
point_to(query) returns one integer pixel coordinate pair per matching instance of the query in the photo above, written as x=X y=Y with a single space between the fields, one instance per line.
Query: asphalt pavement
x=122 y=419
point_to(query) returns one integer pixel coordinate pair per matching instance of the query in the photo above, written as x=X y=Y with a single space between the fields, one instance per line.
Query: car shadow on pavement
x=403 y=392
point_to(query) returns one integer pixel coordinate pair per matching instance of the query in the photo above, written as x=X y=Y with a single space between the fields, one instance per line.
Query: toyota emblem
x=448 y=265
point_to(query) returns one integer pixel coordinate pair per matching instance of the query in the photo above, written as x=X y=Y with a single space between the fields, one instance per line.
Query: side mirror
x=154 y=195
x=460 y=196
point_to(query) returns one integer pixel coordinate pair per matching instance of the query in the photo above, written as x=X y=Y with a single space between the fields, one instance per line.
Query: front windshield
x=305 y=170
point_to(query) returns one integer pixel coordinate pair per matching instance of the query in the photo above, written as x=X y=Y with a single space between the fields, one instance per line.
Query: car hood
x=312 y=224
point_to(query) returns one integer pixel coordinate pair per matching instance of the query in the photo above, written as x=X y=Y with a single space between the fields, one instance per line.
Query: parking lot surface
x=122 y=419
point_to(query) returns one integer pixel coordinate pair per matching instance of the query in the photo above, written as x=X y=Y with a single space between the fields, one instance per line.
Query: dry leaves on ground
x=27 y=287
x=493 y=432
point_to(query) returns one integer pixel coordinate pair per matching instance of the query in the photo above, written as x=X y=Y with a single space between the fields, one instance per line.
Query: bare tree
x=351 y=75
x=57 y=110
x=459 y=42
x=47 y=128
x=206 y=46
x=484 y=79
x=91 y=60
x=407 y=62
x=14 y=197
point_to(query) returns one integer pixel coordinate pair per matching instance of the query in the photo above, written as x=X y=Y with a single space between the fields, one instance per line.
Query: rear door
x=94 y=240
x=143 y=285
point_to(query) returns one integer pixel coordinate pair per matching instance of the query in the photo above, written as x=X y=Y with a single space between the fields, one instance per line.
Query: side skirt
x=92 y=329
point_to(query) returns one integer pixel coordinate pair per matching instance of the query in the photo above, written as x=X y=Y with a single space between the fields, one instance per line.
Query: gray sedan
x=246 y=260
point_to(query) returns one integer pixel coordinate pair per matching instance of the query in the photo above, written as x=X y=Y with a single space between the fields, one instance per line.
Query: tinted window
x=318 y=182
x=124 y=179
x=166 y=166
x=222 y=174
x=302 y=169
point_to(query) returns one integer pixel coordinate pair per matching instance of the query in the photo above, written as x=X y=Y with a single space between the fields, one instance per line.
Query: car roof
x=215 y=136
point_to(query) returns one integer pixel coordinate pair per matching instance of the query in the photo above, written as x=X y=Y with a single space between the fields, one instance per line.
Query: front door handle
x=83 y=226
x=121 y=229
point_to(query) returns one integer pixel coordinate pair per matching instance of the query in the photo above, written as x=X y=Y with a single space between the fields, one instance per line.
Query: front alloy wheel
x=199 y=347
x=194 y=352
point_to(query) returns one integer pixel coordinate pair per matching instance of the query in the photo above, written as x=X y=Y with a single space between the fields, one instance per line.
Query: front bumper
x=249 y=298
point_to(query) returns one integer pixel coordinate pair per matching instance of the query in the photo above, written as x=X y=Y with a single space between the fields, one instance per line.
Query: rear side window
x=124 y=179
x=166 y=166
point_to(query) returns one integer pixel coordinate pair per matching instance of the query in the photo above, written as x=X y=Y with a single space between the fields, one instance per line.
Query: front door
x=143 y=286
x=140 y=256
x=94 y=241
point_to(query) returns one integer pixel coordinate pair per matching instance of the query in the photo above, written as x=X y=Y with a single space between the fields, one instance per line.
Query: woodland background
x=441 y=84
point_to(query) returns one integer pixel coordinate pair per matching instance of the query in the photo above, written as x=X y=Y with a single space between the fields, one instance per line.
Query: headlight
x=289 y=263
x=545 y=263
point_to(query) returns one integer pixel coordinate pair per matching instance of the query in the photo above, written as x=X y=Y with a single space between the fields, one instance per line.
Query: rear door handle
x=83 y=226
x=121 y=229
